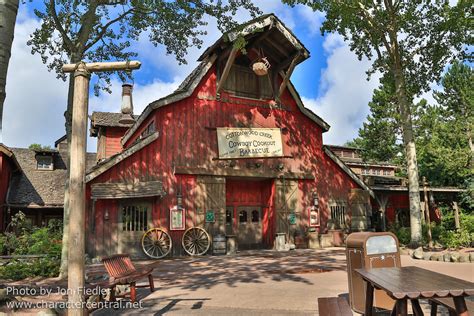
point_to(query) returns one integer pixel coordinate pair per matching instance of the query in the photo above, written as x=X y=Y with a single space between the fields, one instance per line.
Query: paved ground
x=251 y=283
x=267 y=283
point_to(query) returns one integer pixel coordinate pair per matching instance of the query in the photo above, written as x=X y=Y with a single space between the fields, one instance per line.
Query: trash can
x=219 y=245
x=370 y=250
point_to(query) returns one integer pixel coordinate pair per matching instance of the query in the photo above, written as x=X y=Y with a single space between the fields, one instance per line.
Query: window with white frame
x=44 y=163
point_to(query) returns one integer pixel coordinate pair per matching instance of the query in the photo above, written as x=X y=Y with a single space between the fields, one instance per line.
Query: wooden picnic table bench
x=449 y=304
x=122 y=272
x=412 y=283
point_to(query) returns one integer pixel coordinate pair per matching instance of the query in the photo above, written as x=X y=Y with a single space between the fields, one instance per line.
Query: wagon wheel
x=196 y=241
x=156 y=243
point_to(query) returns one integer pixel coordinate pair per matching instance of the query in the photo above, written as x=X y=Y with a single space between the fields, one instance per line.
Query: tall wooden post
x=77 y=198
x=427 y=212
x=77 y=185
x=456 y=215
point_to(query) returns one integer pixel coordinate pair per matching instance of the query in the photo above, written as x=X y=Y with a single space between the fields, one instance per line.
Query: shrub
x=403 y=233
x=34 y=241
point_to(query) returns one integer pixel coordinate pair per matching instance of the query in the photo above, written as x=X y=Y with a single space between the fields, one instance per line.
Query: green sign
x=210 y=216
x=292 y=218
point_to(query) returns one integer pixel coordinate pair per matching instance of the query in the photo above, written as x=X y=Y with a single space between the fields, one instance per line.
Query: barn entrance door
x=249 y=223
x=134 y=221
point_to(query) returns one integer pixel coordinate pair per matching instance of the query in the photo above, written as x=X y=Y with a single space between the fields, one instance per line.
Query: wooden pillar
x=456 y=215
x=77 y=198
x=77 y=190
x=427 y=213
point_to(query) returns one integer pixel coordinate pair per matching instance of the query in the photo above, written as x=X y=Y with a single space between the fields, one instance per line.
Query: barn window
x=338 y=214
x=243 y=217
x=44 y=162
x=134 y=218
x=243 y=82
x=150 y=129
x=255 y=216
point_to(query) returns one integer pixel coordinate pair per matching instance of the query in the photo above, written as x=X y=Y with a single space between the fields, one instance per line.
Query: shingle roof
x=108 y=119
x=43 y=188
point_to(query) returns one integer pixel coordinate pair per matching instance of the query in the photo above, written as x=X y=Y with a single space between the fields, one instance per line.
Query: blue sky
x=332 y=82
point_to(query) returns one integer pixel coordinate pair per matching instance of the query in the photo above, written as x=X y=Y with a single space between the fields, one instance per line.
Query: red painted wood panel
x=5 y=173
x=187 y=141
x=113 y=137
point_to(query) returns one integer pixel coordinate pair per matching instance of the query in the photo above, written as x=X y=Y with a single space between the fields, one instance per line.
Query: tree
x=8 y=12
x=379 y=136
x=411 y=41
x=457 y=101
x=103 y=30
x=39 y=147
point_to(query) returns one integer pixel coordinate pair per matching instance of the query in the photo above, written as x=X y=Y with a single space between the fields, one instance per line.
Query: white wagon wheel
x=196 y=241
x=156 y=243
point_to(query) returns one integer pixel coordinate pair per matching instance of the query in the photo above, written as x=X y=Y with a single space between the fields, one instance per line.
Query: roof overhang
x=113 y=160
x=348 y=170
x=7 y=152
x=405 y=189
x=127 y=190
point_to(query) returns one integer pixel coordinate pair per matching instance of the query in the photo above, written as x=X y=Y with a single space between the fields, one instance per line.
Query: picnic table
x=412 y=283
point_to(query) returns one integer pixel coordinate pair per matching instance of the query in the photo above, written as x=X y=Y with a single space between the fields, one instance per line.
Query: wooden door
x=210 y=197
x=229 y=220
x=134 y=221
x=287 y=201
x=249 y=223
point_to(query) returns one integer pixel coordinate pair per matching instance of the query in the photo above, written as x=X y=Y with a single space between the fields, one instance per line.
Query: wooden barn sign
x=249 y=143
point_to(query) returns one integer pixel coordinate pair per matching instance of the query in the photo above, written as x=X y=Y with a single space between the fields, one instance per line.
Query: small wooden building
x=234 y=152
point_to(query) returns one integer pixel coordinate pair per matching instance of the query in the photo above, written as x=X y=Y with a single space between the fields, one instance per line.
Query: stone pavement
x=257 y=283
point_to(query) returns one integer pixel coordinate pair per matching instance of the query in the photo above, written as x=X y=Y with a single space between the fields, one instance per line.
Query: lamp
x=127 y=105
x=315 y=199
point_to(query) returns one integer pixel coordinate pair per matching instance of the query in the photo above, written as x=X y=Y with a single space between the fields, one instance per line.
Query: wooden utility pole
x=456 y=215
x=77 y=198
x=427 y=212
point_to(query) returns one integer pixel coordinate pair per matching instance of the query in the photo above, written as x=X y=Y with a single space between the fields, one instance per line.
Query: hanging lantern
x=261 y=66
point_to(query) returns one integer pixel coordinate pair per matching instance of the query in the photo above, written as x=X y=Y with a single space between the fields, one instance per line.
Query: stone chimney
x=127 y=105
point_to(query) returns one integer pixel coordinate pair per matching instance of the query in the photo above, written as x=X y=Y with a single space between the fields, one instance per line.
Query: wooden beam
x=77 y=189
x=227 y=68
x=109 y=66
x=287 y=75
x=288 y=61
x=237 y=172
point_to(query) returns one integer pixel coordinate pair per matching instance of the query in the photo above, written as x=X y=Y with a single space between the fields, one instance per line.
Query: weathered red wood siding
x=5 y=173
x=113 y=143
x=187 y=141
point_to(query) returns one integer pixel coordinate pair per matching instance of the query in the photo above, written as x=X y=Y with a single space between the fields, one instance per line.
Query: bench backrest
x=118 y=265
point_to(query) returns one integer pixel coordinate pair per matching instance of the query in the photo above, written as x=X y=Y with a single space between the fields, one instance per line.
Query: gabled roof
x=40 y=188
x=208 y=58
x=347 y=170
x=111 y=161
x=7 y=152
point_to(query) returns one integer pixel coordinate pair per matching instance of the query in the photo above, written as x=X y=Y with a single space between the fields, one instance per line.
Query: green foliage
x=39 y=147
x=72 y=31
x=403 y=233
x=31 y=241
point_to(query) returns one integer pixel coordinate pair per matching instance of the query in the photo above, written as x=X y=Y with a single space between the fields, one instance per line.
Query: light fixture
x=315 y=199
x=127 y=105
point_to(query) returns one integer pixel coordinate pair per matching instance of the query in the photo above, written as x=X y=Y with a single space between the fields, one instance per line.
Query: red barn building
x=229 y=151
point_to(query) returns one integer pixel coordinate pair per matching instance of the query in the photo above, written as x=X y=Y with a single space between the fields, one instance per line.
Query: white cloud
x=344 y=91
x=36 y=99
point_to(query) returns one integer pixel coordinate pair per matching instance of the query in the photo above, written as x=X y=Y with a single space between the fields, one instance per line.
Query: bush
x=403 y=233
x=32 y=241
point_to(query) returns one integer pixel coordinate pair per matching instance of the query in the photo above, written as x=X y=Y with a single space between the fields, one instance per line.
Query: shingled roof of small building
x=40 y=188
x=108 y=119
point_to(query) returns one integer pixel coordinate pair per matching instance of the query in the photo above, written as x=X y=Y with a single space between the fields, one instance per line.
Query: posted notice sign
x=249 y=142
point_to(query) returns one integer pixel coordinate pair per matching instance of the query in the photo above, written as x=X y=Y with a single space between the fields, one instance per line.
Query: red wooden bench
x=334 y=306
x=122 y=272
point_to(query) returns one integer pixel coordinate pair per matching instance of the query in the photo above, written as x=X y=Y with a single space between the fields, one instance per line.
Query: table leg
x=460 y=304
x=402 y=307
x=417 y=311
x=369 y=299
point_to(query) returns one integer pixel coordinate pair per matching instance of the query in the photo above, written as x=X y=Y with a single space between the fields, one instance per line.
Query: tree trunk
x=410 y=149
x=8 y=12
x=68 y=125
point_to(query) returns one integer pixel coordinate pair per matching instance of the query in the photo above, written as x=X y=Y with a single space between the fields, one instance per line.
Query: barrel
x=219 y=245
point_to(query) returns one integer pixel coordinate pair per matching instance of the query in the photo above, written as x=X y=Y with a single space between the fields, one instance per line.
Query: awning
x=127 y=190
